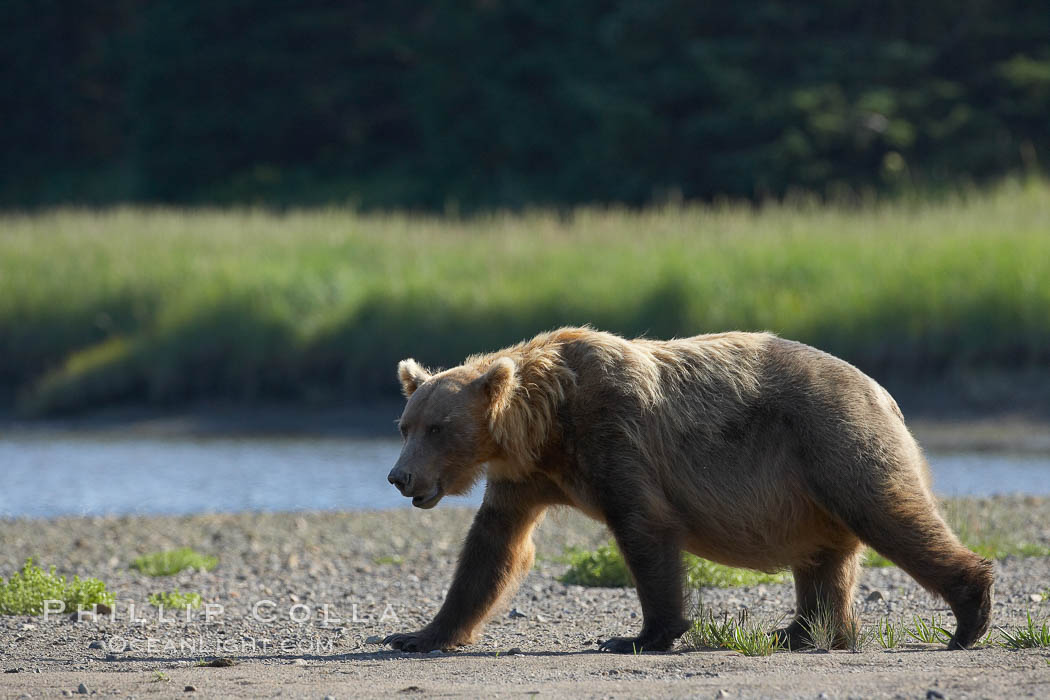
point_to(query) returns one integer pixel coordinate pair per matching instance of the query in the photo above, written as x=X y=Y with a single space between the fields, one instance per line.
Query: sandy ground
x=385 y=572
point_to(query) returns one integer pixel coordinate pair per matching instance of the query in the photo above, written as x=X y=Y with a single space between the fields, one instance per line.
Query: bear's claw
x=415 y=641
x=630 y=645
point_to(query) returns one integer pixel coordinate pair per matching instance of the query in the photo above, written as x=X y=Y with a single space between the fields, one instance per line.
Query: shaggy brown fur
x=742 y=448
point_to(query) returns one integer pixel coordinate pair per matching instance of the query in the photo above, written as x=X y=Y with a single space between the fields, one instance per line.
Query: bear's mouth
x=429 y=501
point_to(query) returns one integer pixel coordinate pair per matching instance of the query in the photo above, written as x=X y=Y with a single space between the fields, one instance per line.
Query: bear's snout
x=399 y=478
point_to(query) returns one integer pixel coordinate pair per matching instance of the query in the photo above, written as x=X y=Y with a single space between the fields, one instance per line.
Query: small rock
x=28 y=626
x=722 y=693
x=12 y=670
x=435 y=652
x=514 y=651
x=328 y=697
x=82 y=689
x=1036 y=597
x=374 y=639
x=932 y=694
x=67 y=693
x=190 y=689
x=514 y=612
x=875 y=595
x=103 y=609
x=96 y=645
x=540 y=618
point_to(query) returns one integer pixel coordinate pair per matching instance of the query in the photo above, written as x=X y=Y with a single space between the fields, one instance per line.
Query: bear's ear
x=412 y=376
x=499 y=382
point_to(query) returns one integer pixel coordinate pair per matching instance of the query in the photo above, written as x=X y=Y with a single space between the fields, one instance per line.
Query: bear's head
x=447 y=427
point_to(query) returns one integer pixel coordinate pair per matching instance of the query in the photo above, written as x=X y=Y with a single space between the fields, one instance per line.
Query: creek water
x=47 y=475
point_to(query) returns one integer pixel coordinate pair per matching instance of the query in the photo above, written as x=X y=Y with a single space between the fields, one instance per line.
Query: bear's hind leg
x=824 y=591
x=655 y=561
x=911 y=533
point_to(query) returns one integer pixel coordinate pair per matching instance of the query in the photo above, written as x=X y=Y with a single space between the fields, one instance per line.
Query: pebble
x=82 y=689
x=722 y=693
x=67 y=693
x=514 y=612
x=932 y=694
x=514 y=651
x=190 y=689
x=435 y=652
x=96 y=645
x=1036 y=597
x=875 y=595
x=374 y=639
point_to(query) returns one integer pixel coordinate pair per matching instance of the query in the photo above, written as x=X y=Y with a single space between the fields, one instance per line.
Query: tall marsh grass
x=165 y=305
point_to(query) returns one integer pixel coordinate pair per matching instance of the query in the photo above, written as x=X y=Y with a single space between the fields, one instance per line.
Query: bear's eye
x=434 y=430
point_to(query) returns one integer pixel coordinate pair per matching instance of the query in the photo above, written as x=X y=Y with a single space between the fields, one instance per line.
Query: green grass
x=168 y=305
x=888 y=633
x=819 y=626
x=1032 y=636
x=25 y=592
x=175 y=600
x=739 y=633
x=172 y=561
x=932 y=632
x=606 y=567
x=389 y=559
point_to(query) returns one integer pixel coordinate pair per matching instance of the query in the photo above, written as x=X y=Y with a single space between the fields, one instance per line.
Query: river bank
x=299 y=599
x=1005 y=432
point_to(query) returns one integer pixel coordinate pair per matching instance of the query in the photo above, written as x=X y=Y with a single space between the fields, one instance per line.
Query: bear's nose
x=399 y=478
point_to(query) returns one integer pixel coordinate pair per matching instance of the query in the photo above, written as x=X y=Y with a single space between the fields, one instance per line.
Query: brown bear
x=742 y=448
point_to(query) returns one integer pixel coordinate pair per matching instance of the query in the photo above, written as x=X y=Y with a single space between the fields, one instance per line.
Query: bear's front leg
x=655 y=561
x=497 y=554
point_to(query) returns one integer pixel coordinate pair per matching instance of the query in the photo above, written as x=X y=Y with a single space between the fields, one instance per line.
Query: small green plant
x=175 y=600
x=27 y=590
x=708 y=633
x=820 y=627
x=928 y=632
x=395 y=559
x=855 y=635
x=172 y=561
x=160 y=677
x=606 y=567
x=888 y=633
x=875 y=560
x=603 y=567
x=1030 y=636
x=739 y=634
